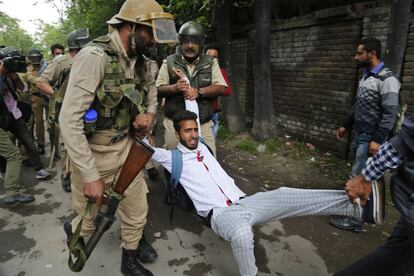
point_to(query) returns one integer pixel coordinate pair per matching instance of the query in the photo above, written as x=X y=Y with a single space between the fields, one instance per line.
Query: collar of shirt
x=184 y=149
x=190 y=64
x=375 y=70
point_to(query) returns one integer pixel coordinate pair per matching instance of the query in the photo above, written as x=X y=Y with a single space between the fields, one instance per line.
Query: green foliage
x=49 y=34
x=224 y=133
x=11 y=34
x=91 y=14
x=201 y=11
x=247 y=145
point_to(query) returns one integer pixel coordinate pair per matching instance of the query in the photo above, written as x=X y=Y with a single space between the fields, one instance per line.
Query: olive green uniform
x=203 y=72
x=13 y=163
x=105 y=79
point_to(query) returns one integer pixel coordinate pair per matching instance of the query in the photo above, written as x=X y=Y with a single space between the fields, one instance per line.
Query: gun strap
x=76 y=248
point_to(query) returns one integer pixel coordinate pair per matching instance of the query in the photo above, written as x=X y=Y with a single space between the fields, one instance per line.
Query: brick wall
x=314 y=77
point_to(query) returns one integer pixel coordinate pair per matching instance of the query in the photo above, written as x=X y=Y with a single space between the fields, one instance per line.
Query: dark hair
x=183 y=115
x=370 y=44
x=213 y=46
x=56 y=46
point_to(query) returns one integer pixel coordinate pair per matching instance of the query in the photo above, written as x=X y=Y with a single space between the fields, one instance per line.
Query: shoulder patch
x=97 y=51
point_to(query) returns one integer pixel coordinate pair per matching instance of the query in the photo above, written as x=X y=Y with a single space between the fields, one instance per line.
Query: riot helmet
x=35 y=56
x=78 y=38
x=148 y=13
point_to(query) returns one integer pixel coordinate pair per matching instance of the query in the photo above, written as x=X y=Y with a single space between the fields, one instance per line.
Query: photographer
x=13 y=111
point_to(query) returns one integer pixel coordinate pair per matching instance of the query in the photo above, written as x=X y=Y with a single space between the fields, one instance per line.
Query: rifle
x=138 y=156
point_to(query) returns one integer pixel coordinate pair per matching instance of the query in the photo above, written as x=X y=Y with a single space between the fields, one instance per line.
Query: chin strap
x=133 y=44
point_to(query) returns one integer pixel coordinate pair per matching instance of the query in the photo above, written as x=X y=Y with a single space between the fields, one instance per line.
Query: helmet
x=13 y=60
x=192 y=31
x=148 y=13
x=35 y=56
x=191 y=28
x=79 y=38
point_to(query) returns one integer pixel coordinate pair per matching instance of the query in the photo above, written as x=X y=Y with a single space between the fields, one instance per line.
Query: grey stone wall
x=314 y=77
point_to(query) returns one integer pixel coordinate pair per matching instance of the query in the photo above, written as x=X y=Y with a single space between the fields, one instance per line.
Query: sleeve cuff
x=91 y=175
x=152 y=109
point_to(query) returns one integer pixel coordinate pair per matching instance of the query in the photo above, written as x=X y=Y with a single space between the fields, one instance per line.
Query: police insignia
x=97 y=51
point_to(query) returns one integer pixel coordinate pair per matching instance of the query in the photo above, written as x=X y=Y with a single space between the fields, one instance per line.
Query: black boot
x=130 y=266
x=41 y=149
x=146 y=253
x=66 y=183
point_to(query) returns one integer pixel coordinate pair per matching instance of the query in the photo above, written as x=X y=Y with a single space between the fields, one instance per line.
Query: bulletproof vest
x=118 y=100
x=201 y=78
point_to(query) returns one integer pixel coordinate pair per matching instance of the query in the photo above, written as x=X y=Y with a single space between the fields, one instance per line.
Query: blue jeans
x=361 y=149
x=215 y=125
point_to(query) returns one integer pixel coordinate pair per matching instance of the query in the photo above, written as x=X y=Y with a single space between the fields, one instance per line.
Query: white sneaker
x=42 y=174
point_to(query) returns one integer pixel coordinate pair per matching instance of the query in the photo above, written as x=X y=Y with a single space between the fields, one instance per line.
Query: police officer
x=52 y=79
x=37 y=100
x=107 y=77
x=206 y=83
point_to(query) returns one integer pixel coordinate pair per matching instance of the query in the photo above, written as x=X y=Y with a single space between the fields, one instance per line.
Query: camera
x=13 y=60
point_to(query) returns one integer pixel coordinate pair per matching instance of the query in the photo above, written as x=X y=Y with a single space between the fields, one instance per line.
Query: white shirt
x=204 y=180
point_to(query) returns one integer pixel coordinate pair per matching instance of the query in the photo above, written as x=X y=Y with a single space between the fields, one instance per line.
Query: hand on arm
x=358 y=187
x=373 y=148
x=340 y=133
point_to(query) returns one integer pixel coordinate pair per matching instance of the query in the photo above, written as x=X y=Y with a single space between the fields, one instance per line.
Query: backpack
x=176 y=194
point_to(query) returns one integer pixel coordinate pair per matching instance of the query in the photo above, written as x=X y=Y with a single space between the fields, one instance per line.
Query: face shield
x=163 y=27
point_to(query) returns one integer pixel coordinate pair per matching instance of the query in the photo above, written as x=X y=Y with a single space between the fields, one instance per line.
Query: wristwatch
x=201 y=92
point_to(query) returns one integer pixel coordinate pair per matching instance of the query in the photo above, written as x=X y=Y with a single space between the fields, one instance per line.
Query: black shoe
x=21 y=198
x=130 y=266
x=146 y=253
x=347 y=223
x=66 y=183
x=10 y=200
x=18 y=198
x=41 y=149
x=153 y=173
x=27 y=163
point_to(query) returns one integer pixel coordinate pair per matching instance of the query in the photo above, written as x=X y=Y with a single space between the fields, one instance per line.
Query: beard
x=187 y=145
x=137 y=46
x=364 y=64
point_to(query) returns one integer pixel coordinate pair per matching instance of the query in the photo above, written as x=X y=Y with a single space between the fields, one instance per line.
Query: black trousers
x=395 y=257
x=19 y=129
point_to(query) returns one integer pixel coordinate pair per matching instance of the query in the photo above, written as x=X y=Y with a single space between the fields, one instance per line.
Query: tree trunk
x=264 y=122
x=232 y=112
x=398 y=34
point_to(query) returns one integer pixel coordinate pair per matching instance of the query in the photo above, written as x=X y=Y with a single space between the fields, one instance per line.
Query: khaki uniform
x=38 y=103
x=150 y=100
x=92 y=157
x=51 y=76
x=170 y=138
x=54 y=68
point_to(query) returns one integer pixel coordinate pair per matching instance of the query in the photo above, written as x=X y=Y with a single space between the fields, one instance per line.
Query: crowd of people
x=96 y=99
